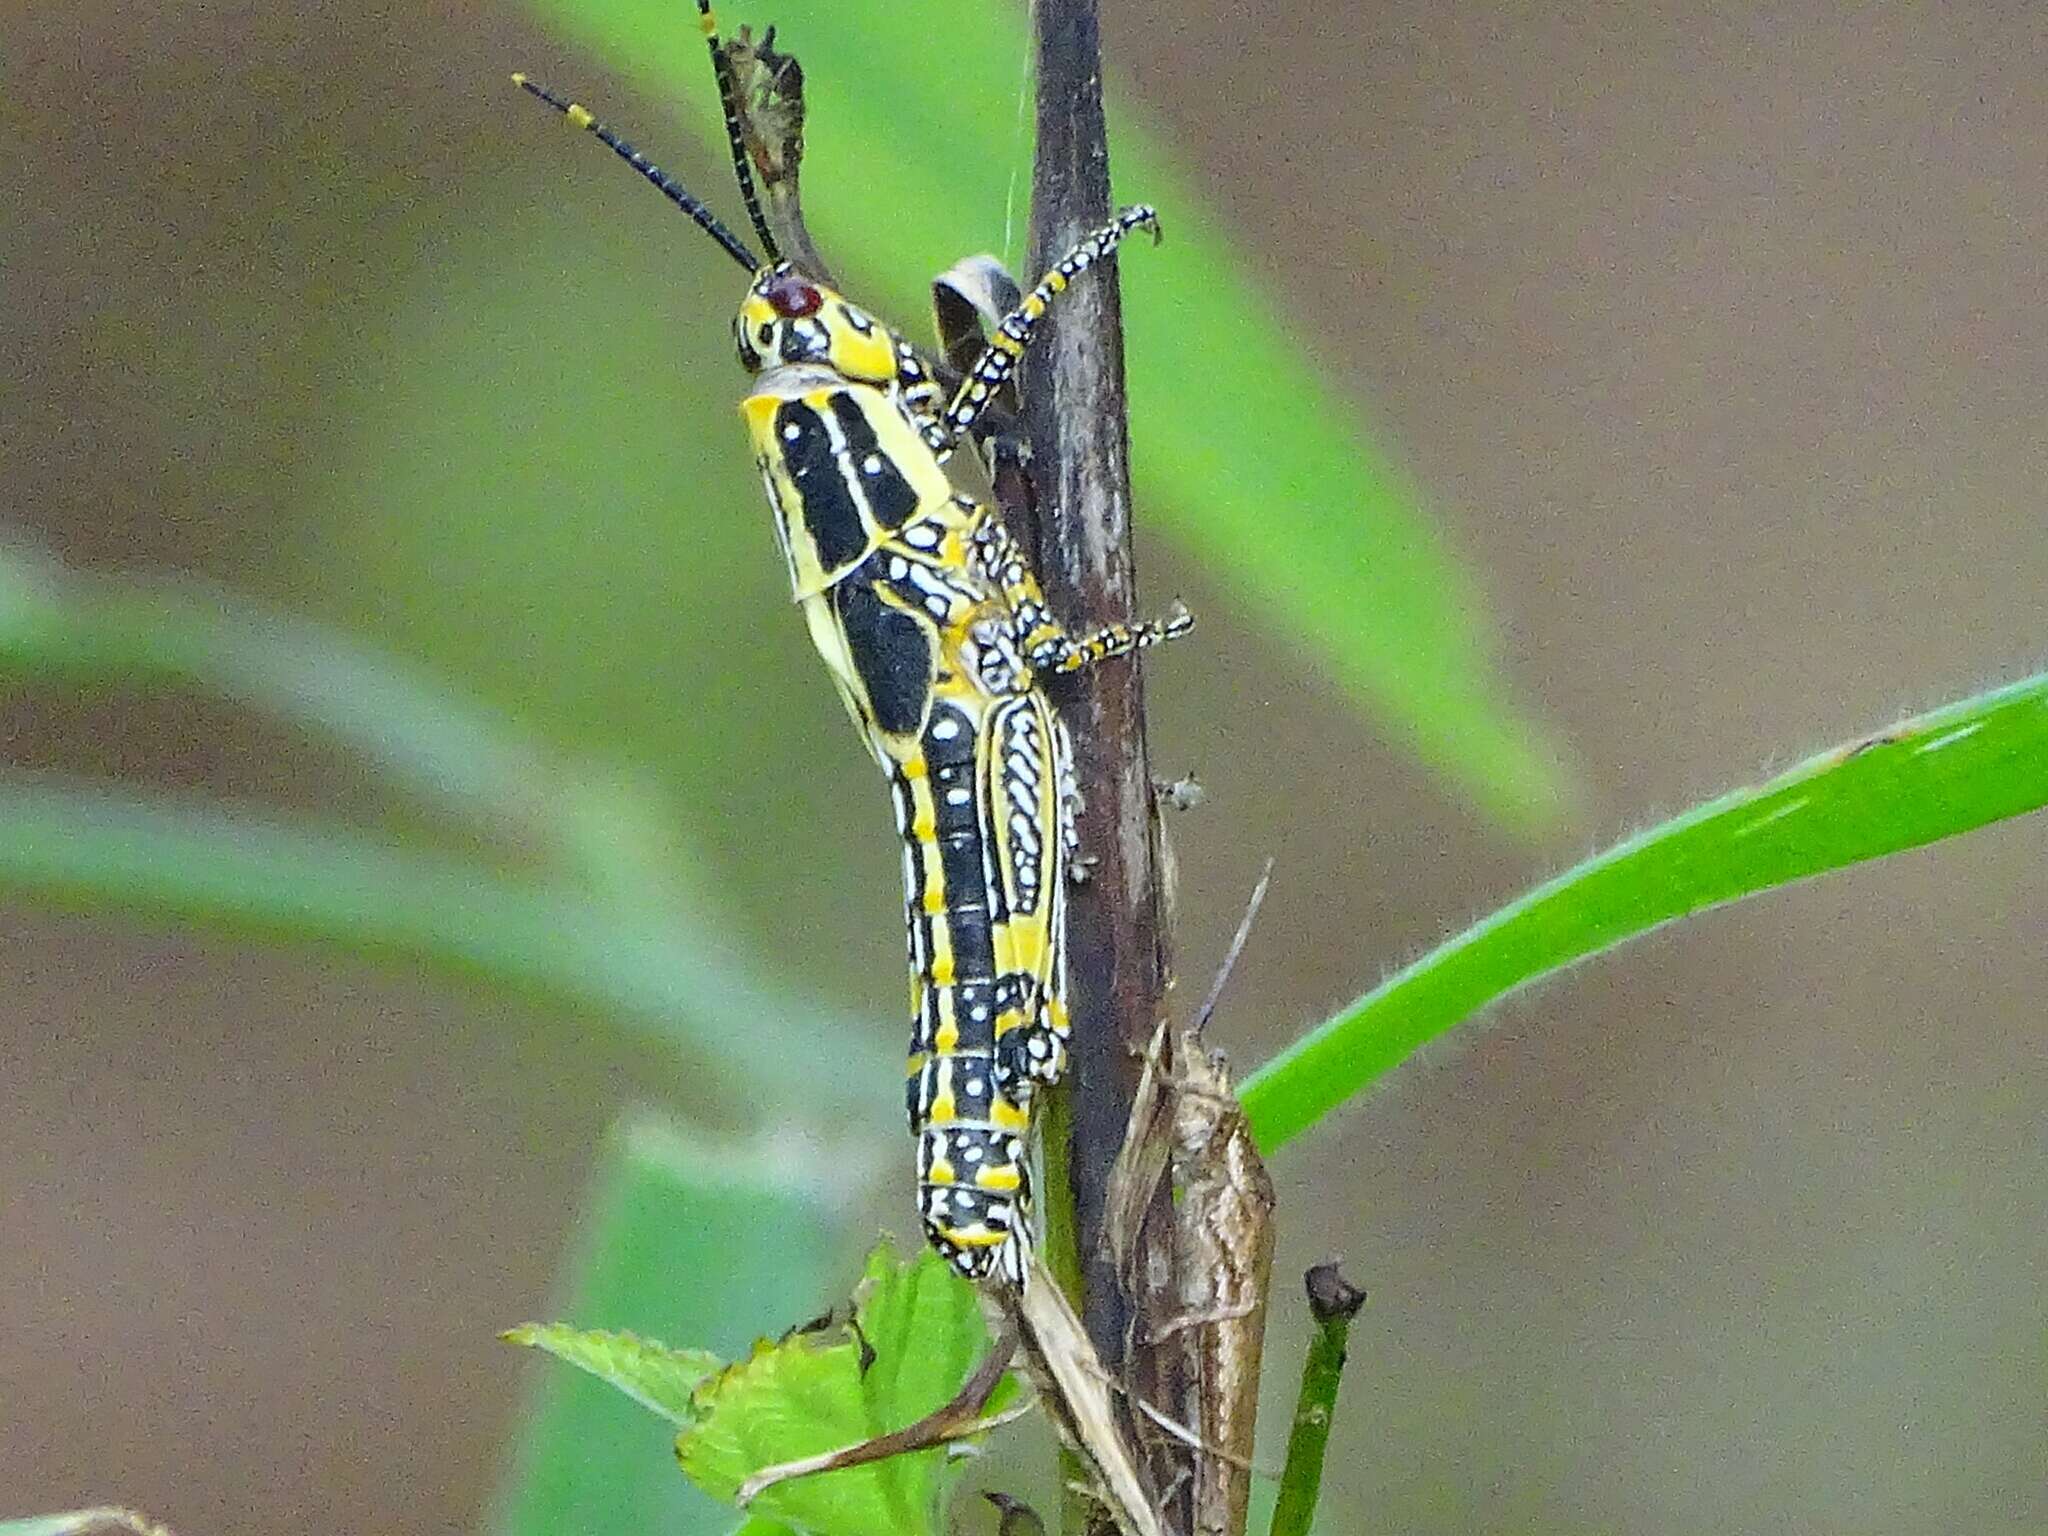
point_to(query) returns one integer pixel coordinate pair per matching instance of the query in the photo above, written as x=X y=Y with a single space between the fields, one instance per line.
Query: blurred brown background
x=1716 y=340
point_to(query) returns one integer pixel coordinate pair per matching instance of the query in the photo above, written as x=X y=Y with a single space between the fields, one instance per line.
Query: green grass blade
x=688 y=1244
x=918 y=139
x=99 y=848
x=1963 y=766
x=442 y=749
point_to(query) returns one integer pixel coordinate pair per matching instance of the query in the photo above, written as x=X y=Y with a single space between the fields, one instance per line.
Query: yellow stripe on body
x=1004 y=1178
x=974 y=1237
x=945 y=1110
x=946 y=1039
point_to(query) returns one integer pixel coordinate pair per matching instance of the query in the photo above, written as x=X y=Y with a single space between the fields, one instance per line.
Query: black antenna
x=673 y=190
x=729 y=98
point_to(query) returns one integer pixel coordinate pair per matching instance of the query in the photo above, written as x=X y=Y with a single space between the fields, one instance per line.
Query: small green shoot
x=1332 y=1302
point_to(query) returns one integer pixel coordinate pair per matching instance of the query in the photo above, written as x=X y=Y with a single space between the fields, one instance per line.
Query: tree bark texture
x=1118 y=965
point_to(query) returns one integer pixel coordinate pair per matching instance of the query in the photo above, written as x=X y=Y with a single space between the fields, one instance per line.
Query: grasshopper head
x=787 y=317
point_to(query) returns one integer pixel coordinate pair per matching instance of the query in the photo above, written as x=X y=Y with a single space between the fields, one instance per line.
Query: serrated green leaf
x=1964 y=766
x=684 y=1240
x=1270 y=477
x=652 y=1374
x=807 y=1394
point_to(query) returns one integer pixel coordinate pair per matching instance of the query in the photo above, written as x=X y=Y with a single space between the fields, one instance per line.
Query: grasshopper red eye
x=791 y=296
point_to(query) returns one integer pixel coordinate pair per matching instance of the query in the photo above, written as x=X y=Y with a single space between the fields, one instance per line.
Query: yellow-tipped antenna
x=729 y=98
x=673 y=190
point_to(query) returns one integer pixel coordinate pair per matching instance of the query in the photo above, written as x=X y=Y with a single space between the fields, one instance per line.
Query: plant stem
x=1074 y=410
x=1334 y=1302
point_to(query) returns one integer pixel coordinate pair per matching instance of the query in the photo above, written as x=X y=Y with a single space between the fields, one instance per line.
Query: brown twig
x=1074 y=410
x=1118 y=966
x=1223 y=1237
x=1082 y=1402
x=1222 y=1249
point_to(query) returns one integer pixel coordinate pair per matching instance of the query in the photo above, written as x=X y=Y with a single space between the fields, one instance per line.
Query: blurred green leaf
x=655 y=1376
x=99 y=848
x=98 y=631
x=1268 y=477
x=812 y=1392
x=1963 y=766
x=684 y=1241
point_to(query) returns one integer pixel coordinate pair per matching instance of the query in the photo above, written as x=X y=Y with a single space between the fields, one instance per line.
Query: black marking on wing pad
x=891 y=652
x=949 y=741
x=949 y=752
x=889 y=494
x=831 y=515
